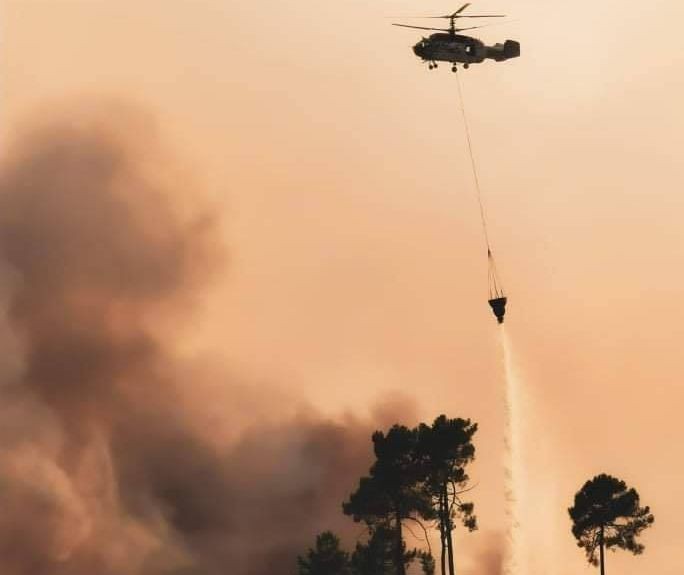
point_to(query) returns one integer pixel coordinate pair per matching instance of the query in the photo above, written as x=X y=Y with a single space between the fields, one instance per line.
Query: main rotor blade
x=461 y=9
x=463 y=16
x=422 y=27
x=481 y=26
x=449 y=29
x=469 y=28
x=483 y=16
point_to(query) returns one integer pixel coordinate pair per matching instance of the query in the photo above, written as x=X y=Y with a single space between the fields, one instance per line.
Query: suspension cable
x=495 y=287
x=478 y=190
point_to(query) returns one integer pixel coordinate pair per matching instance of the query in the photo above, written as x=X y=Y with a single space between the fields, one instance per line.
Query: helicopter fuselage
x=459 y=49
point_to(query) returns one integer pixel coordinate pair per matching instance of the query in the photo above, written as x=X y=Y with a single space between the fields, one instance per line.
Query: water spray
x=513 y=461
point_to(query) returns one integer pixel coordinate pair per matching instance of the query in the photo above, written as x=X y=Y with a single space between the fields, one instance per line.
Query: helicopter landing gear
x=466 y=65
x=432 y=65
x=454 y=68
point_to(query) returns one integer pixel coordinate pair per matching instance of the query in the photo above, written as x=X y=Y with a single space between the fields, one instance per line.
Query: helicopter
x=450 y=46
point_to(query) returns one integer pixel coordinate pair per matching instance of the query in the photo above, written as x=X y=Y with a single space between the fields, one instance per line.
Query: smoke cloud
x=103 y=469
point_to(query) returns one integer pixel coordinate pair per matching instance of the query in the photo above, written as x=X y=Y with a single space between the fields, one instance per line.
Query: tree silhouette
x=427 y=562
x=326 y=559
x=606 y=514
x=377 y=555
x=444 y=449
x=393 y=491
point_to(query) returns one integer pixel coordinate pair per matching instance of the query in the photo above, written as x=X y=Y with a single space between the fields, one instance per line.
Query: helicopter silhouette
x=450 y=46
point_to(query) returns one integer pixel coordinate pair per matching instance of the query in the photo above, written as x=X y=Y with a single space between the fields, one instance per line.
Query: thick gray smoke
x=102 y=468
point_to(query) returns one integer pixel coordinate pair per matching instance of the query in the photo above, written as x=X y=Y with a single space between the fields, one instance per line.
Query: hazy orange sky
x=357 y=267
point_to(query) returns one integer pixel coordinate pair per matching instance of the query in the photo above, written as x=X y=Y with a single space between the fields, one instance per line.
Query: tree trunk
x=450 y=541
x=442 y=532
x=399 y=551
x=450 y=549
x=601 y=555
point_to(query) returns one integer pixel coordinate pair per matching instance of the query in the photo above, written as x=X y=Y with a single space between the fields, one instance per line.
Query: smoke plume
x=102 y=468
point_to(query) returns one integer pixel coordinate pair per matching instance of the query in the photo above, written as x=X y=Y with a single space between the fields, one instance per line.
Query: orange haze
x=337 y=167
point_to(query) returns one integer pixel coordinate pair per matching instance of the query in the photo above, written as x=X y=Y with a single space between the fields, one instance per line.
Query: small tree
x=607 y=515
x=326 y=559
x=377 y=555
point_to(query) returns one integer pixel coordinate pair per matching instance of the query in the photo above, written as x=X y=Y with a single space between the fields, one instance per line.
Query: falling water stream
x=512 y=463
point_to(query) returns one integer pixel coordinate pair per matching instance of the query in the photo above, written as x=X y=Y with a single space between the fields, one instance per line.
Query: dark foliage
x=444 y=450
x=607 y=514
x=418 y=476
x=326 y=558
x=393 y=491
x=377 y=555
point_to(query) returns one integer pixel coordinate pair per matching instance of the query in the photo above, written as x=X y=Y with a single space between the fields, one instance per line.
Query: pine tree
x=608 y=515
